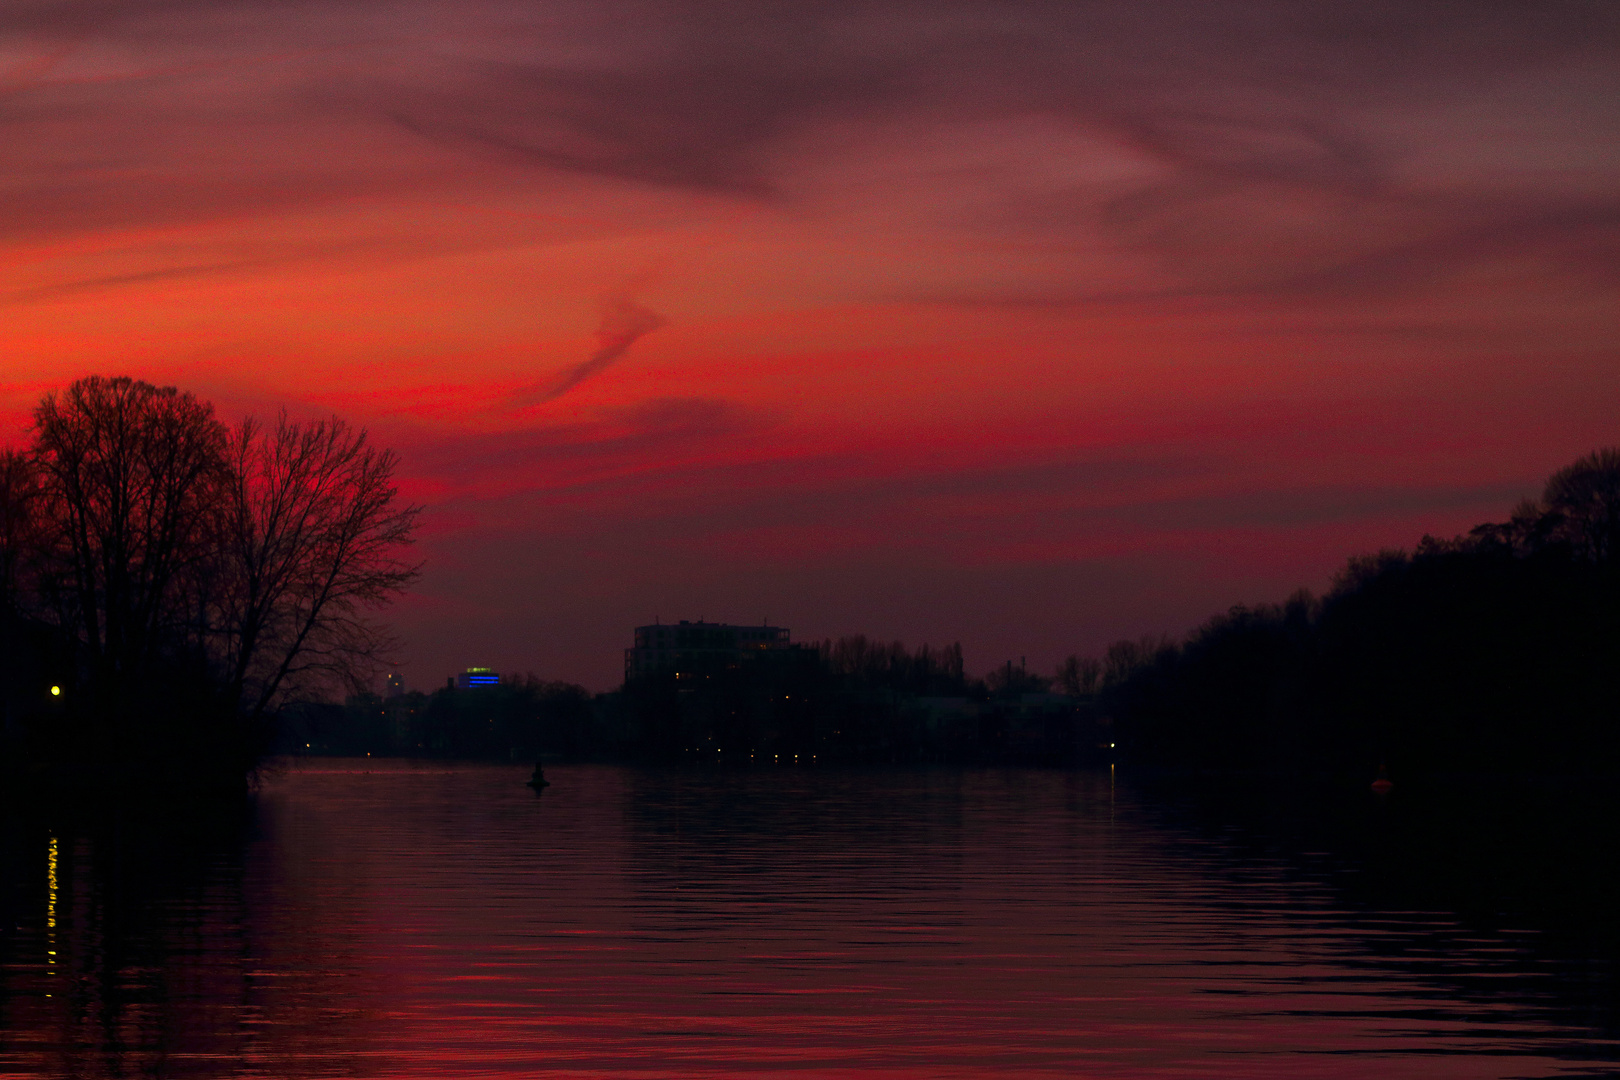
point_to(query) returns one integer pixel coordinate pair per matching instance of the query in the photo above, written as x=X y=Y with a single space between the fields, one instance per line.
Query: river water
x=377 y=919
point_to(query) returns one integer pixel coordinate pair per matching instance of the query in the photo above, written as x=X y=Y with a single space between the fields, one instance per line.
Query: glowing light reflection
x=50 y=908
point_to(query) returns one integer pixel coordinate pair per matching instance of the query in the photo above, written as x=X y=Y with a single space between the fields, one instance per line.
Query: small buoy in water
x=538 y=780
x=1383 y=783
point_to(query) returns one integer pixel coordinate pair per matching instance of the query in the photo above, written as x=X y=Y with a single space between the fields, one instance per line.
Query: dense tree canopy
x=1495 y=651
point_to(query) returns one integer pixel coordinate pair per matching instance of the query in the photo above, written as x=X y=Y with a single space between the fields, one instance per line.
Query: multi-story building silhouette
x=475 y=677
x=664 y=646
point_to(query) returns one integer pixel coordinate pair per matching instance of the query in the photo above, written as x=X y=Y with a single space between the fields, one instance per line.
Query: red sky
x=1029 y=325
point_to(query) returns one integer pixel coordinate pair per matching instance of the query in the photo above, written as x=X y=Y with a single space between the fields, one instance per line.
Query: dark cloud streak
x=624 y=322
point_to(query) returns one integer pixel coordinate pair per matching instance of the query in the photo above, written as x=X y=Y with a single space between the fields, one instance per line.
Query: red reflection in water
x=391 y=920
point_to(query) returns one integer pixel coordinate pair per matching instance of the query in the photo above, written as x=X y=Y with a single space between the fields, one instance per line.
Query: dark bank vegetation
x=853 y=700
x=846 y=700
x=1479 y=673
x=521 y=719
x=1496 y=651
x=1493 y=652
x=169 y=583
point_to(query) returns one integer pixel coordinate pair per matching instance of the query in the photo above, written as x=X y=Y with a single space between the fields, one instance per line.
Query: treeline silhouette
x=520 y=719
x=1496 y=651
x=853 y=700
x=169 y=583
x=845 y=700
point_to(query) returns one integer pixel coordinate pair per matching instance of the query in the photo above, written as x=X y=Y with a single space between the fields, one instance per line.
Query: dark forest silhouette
x=168 y=583
x=846 y=700
x=1494 y=651
x=520 y=719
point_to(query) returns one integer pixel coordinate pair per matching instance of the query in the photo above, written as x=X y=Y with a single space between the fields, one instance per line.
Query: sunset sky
x=1025 y=324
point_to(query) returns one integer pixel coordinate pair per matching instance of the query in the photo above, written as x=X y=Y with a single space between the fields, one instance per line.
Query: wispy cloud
x=1324 y=146
x=1147 y=231
x=624 y=322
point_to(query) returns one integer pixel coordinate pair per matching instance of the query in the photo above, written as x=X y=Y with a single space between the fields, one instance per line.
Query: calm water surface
x=400 y=920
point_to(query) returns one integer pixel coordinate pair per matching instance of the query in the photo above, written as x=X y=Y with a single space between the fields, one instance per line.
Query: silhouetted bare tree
x=1124 y=657
x=1010 y=680
x=860 y=661
x=197 y=575
x=131 y=475
x=1079 y=675
x=313 y=532
x=19 y=522
x=1583 y=502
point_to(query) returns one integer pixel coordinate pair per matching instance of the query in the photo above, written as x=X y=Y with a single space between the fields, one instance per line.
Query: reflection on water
x=397 y=920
